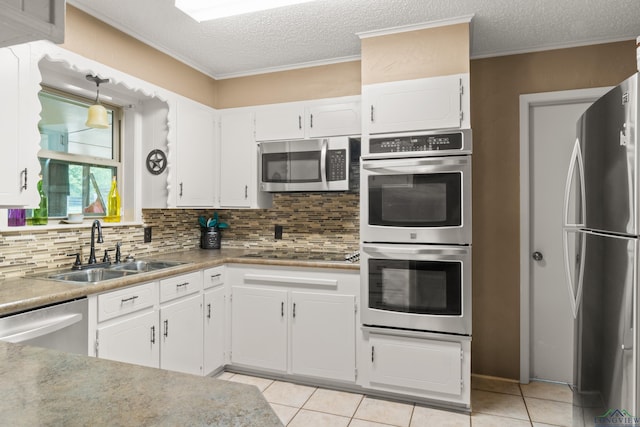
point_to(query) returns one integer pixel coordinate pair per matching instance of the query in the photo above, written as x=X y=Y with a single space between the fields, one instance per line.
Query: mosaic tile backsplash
x=318 y=222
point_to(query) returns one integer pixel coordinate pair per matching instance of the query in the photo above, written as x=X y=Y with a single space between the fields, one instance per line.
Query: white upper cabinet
x=414 y=105
x=19 y=116
x=238 y=162
x=280 y=122
x=196 y=163
x=308 y=119
x=24 y=21
x=334 y=119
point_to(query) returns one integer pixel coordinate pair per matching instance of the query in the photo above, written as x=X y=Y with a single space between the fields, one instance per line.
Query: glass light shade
x=97 y=117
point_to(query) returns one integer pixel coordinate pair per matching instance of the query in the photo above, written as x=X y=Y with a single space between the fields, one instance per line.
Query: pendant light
x=97 y=116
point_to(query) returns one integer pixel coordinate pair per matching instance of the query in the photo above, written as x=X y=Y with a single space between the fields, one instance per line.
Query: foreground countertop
x=43 y=387
x=26 y=293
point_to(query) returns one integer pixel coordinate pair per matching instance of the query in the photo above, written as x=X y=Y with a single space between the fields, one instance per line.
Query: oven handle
x=400 y=165
x=387 y=249
x=41 y=329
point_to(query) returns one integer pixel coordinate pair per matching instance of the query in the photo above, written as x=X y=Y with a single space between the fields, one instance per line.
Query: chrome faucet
x=92 y=254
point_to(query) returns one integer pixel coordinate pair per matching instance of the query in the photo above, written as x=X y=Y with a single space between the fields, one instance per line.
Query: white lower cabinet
x=294 y=321
x=132 y=339
x=259 y=328
x=181 y=338
x=432 y=366
x=323 y=335
x=157 y=324
x=215 y=320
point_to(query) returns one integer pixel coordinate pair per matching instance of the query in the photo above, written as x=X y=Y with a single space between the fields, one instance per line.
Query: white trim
x=528 y=101
x=465 y=19
x=289 y=67
x=549 y=47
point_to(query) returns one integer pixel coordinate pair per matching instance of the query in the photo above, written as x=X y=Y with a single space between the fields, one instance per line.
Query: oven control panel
x=416 y=143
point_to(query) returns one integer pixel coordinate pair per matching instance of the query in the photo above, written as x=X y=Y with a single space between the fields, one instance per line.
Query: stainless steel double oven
x=415 y=228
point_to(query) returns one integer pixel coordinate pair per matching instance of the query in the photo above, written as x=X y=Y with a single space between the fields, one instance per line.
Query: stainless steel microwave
x=306 y=164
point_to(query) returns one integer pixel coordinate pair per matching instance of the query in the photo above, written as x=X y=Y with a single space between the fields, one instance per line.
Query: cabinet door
x=181 y=335
x=195 y=157
x=432 y=103
x=280 y=122
x=135 y=339
x=334 y=120
x=402 y=363
x=27 y=21
x=323 y=339
x=19 y=115
x=259 y=328
x=214 y=326
x=238 y=154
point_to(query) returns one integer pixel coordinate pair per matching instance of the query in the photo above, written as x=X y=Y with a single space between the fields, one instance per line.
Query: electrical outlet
x=147 y=234
x=278 y=232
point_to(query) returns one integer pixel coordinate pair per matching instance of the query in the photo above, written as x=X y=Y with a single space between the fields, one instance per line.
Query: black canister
x=210 y=238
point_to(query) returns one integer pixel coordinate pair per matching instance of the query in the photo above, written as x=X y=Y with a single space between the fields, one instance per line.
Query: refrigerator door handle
x=574 y=289
x=575 y=162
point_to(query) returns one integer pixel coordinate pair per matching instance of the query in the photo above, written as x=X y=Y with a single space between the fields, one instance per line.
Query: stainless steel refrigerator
x=601 y=249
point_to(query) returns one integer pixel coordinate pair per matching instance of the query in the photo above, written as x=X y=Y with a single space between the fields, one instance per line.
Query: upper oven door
x=421 y=200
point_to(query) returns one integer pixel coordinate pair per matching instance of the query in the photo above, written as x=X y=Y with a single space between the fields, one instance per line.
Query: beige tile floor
x=495 y=403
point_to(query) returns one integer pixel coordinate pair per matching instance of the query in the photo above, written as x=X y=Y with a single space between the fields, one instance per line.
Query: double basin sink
x=113 y=271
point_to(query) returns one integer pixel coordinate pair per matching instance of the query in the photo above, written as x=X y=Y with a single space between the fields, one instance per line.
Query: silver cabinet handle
x=372 y=353
x=282 y=309
x=299 y=122
x=181 y=189
x=166 y=328
x=294 y=310
x=24 y=172
x=208 y=311
x=246 y=191
x=125 y=300
x=537 y=256
x=311 y=120
x=181 y=285
x=372 y=114
x=153 y=335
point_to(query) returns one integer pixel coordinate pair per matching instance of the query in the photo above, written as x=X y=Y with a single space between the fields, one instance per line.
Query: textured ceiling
x=325 y=30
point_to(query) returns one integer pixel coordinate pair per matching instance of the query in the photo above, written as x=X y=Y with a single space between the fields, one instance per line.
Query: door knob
x=537 y=256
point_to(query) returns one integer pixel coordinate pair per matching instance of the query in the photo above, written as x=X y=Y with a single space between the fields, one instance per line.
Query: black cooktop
x=299 y=255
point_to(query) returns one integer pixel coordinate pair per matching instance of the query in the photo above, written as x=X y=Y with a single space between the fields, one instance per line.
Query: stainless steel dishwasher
x=61 y=327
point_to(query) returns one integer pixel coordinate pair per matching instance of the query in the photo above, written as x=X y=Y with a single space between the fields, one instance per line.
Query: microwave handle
x=323 y=162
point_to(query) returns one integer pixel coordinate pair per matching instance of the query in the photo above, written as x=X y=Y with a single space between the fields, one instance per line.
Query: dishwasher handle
x=40 y=329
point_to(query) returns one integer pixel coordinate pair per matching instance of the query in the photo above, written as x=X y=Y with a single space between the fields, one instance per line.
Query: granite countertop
x=46 y=387
x=26 y=293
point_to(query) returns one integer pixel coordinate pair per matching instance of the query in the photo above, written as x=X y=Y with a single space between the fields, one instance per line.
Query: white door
x=552 y=131
x=259 y=328
x=181 y=341
x=133 y=340
x=323 y=335
x=214 y=327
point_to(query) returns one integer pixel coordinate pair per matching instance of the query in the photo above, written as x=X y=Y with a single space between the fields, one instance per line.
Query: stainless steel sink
x=143 y=266
x=92 y=275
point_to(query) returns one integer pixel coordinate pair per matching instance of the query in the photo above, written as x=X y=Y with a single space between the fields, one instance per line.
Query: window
x=77 y=162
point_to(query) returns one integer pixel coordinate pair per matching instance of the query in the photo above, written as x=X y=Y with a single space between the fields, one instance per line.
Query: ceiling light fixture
x=206 y=10
x=97 y=115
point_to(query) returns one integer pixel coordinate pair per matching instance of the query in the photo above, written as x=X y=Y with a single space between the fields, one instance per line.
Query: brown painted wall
x=96 y=40
x=496 y=84
x=326 y=81
x=416 y=54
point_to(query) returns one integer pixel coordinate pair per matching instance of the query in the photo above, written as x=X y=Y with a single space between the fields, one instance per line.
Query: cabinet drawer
x=179 y=286
x=126 y=301
x=213 y=277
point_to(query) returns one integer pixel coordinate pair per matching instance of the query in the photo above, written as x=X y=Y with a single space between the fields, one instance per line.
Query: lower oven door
x=418 y=287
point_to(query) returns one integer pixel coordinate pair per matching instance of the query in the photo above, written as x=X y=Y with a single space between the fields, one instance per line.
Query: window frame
x=117 y=130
